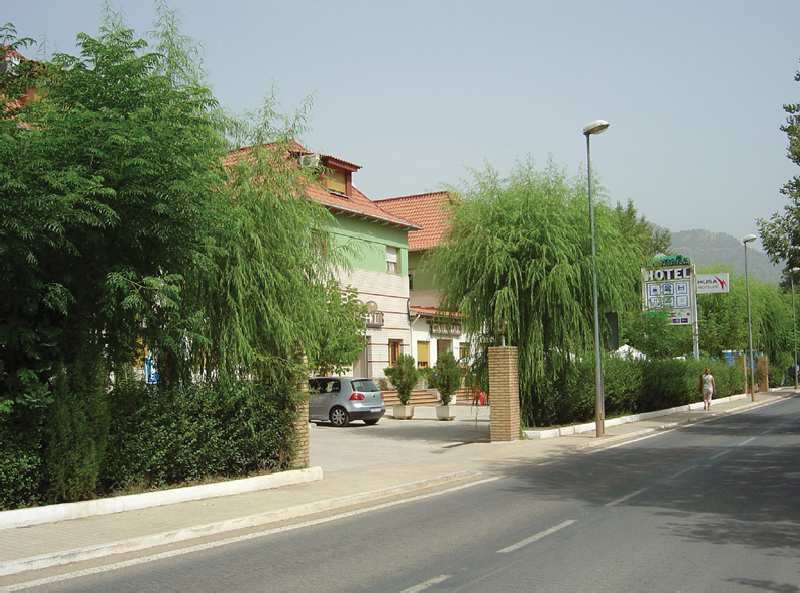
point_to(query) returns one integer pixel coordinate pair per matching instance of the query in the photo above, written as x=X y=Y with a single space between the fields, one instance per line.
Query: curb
x=552 y=433
x=618 y=440
x=170 y=537
x=134 y=502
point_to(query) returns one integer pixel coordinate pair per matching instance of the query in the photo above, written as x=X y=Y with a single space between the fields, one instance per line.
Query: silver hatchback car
x=339 y=400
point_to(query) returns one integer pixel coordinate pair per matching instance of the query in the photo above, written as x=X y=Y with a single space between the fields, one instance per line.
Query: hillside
x=706 y=248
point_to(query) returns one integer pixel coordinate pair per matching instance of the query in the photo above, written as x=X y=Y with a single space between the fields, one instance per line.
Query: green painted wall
x=367 y=242
x=424 y=278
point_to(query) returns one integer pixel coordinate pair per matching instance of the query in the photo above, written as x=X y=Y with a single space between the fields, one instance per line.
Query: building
x=377 y=249
x=433 y=330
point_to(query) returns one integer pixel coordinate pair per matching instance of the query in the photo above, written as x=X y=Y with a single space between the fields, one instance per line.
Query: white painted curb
x=170 y=537
x=133 y=502
x=551 y=433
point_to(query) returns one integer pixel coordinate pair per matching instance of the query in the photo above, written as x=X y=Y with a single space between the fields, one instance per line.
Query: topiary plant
x=446 y=377
x=404 y=376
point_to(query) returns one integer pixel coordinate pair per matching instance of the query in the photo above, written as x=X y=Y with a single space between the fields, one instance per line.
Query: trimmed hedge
x=637 y=386
x=156 y=436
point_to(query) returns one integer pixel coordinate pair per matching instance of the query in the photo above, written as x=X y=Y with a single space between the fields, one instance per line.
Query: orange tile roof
x=432 y=312
x=356 y=204
x=431 y=211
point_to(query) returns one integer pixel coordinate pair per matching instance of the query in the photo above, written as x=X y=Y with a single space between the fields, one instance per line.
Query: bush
x=20 y=474
x=404 y=376
x=169 y=435
x=445 y=377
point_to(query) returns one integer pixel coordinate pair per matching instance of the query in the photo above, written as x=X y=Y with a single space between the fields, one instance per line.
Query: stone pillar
x=503 y=393
x=302 y=456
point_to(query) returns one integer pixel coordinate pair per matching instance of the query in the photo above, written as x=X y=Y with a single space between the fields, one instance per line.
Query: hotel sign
x=446 y=328
x=670 y=289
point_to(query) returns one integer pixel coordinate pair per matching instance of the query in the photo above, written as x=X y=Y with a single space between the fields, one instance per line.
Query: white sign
x=713 y=283
x=670 y=289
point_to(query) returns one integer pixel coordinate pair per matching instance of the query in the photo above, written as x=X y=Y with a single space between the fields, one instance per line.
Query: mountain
x=707 y=248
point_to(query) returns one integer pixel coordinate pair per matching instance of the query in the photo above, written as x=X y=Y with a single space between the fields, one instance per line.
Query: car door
x=314 y=399
x=329 y=392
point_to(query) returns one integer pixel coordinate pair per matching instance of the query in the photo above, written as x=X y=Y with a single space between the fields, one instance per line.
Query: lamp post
x=745 y=240
x=792 y=272
x=596 y=127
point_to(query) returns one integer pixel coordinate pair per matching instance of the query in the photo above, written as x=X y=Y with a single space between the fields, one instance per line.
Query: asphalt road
x=712 y=507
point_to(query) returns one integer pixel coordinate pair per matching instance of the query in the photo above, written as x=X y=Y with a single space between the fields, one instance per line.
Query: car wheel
x=339 y=416
x=371 y=422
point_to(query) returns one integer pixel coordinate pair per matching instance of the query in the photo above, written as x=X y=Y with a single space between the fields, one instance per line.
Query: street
x=710 y=507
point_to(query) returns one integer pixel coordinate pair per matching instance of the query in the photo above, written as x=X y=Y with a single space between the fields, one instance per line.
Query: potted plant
x=404 y=376
x=446 y=379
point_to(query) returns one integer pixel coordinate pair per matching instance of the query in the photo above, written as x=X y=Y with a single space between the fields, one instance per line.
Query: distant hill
x=706 y=248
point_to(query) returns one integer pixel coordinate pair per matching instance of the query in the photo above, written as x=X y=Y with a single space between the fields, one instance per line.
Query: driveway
x=392 y=442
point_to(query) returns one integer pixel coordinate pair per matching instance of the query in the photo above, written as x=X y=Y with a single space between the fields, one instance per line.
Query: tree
x=517 y=265
x=654 y=239
x=781 y=232
x=651 y=333
x=404 y=376
x=445 y=377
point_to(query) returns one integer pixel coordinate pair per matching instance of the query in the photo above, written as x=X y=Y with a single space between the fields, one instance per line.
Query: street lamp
x=745 y=240
x=792 y=272
x=596 y=127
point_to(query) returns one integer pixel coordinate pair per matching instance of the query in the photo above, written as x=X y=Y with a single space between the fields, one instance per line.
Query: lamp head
x=596 y=127
x=749 y=238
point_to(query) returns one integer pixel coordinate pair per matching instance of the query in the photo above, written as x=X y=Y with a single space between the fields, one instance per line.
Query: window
x=364 y=385
x=391 y=260
x=336 y=181
x=423 y=356
x=411 y=282
x=395 y=347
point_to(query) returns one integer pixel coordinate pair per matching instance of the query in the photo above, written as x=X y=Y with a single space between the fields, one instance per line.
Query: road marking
x=614 y=503
x=536 y=537
x=744 y=442
x=544 y=463
x=681 y=472
x=427 y=584
x=745 y=409
x=720 y=454
x=231 y=540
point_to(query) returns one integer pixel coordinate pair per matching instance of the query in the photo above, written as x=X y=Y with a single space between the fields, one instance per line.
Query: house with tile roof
x=377 y=250
x=433 y=330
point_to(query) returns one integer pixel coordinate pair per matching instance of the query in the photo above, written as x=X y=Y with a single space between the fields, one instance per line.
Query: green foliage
x=168 y=435
x=651 y=333
x=404 y=376
x=654 y=240
x=20 y=476
x=517 y=264
x=445 y=377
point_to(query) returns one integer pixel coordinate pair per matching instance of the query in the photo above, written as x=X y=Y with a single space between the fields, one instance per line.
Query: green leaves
x=517 y=265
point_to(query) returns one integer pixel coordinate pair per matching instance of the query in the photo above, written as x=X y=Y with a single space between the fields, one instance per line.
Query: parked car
x=339 y=400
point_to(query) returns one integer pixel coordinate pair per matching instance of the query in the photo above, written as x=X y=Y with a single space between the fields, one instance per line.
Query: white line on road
x=614 y=503
x=231 y=540
x=718 y=455
x=427 y=584
x=744 y=442
x=749 y=408
x=681 y=472
x=536 y=537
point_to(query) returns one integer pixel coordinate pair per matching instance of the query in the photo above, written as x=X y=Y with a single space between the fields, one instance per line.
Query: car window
x=330 y=386
x=364 y=385
x=313 y=385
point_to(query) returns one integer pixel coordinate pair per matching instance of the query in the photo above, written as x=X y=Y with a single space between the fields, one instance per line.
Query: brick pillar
x=302 y=457
x=762 y=373
x=503 y=393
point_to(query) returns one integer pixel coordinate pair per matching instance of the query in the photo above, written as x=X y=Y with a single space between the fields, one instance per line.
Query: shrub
x=20 y=476
x=404 y=376
x=166 y=435
x=446 y=377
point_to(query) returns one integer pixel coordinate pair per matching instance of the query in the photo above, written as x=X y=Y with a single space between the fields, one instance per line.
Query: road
x=707 y=508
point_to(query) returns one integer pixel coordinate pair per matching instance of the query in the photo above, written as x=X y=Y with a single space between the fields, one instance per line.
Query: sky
x=419 y=93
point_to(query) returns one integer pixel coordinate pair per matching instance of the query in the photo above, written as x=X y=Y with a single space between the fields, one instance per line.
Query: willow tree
x=517 y=265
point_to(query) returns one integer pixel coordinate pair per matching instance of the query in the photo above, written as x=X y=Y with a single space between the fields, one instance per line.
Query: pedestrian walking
x=709 y=387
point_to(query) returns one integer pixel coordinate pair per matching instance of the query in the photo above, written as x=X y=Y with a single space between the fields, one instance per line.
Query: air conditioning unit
x=309 y=161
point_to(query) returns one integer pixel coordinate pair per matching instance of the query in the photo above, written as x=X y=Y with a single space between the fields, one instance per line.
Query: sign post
x=672 y=288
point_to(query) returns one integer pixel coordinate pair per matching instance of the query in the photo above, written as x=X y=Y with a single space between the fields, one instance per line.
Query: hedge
x=635 y=386
x=154 y=437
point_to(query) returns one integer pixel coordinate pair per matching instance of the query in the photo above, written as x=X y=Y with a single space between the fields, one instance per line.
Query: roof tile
x=430 y=211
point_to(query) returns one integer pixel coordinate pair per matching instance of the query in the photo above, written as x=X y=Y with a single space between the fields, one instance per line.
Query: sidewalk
x=446 y=465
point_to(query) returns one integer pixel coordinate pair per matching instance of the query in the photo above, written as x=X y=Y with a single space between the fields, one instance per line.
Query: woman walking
x=709 y=387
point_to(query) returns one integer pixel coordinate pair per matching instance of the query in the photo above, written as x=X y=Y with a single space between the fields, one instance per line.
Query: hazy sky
x=418 y=92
